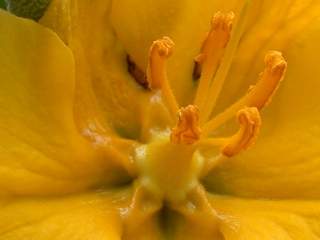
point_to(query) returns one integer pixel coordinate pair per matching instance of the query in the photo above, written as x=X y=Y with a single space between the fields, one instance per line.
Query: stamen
x=187 y=130
x=160 y=51
x=259 y=95
x=212 y=50
x=250 y=122
x=221 y=74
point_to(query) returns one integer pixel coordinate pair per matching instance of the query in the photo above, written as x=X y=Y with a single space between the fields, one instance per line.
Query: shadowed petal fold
x=107 y=97
x=41 y=150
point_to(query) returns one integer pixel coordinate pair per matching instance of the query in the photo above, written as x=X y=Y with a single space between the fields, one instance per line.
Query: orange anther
x=250 y=122
x=187 y=130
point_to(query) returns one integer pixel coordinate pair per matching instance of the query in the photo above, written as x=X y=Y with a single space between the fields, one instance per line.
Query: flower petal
x=245 y=219
x=41 y=151
x=285 y=162
x=82 y=217
x=106 y=95
x=266 y=219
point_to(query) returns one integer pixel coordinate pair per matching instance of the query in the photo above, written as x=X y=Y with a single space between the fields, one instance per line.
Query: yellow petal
x=285 y=162
x=243 y=219
x=41 y=151
x=106 y=95
x=88 y=216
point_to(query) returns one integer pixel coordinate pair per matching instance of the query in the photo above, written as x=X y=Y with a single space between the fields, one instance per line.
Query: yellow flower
x=133 y=119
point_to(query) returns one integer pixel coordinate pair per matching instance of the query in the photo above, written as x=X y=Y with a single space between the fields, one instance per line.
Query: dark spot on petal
x=137 y=73
x=196 y=71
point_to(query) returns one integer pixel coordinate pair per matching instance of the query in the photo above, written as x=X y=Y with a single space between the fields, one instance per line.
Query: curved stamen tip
x=275 y=63
x=222 y=21
x=160 y=50
x=157 y=79
x=187 y=130
x=164 y=46
x=218 y=37
x=250 y=122
x=261 y=94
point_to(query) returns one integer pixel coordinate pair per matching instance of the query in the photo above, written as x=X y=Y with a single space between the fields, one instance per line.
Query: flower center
x=170 y=166
x=193 y=124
